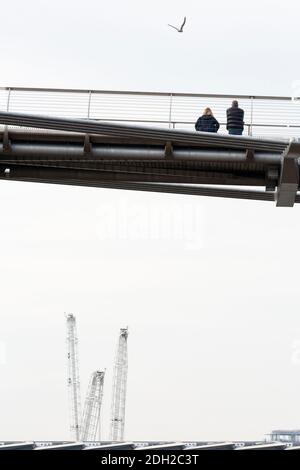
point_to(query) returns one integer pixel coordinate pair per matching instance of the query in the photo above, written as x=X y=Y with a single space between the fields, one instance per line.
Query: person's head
x=235 y=104
x=207 y=112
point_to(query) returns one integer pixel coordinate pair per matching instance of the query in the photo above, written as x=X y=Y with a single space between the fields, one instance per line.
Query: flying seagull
x=180 y=30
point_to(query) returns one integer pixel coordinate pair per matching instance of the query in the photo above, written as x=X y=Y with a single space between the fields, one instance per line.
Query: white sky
x=209 y=288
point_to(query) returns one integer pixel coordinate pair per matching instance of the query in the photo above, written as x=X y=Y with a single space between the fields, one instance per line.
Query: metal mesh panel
x=62 y=104
x=130 y=107
x=3 y=99
x=188 y=109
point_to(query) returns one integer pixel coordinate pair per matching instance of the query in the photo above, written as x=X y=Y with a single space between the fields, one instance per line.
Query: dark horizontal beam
x=148 y=187
x=59 y=150
x=74 y=171
x=129 y=131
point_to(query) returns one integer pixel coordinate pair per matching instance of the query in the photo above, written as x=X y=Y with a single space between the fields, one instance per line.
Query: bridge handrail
x=150 y=93
x=264 y=115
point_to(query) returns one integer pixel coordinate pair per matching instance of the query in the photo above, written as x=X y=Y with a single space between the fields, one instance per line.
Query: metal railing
x=267 y=116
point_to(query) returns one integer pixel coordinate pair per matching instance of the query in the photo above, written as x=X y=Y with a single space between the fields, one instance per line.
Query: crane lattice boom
x=73 y=377
x=92 y=407
x=119 y=388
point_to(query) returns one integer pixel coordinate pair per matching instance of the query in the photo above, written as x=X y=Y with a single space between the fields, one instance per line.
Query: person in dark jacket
x=207 y=122
x=235 y=119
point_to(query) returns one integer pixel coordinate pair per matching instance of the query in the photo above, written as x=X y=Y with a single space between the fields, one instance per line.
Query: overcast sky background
x=208 y=287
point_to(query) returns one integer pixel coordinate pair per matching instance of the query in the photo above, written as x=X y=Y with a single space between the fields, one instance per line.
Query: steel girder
x=97 y=154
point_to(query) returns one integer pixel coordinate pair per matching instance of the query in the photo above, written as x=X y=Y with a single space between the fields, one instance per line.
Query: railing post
x=251 y=118
x=170 y=110
x=89 y=104
x=8 y=100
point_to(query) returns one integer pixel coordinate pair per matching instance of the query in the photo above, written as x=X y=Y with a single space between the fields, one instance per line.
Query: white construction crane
x=92 y=408
x=119 y=388
x=73 y=378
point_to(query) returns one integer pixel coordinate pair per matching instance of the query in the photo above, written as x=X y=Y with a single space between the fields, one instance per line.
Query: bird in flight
x=180 y=30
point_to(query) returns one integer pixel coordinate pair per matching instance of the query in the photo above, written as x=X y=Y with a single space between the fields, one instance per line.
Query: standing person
x=235 y=119
x=207 y=122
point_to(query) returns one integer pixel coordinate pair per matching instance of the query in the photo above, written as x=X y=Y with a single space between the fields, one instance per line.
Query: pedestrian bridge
x=146 y=142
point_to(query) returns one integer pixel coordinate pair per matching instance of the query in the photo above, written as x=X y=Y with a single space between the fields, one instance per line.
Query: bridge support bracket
x=289 y=177
x=272 y=176
x=6 y=141
x=87 y=147
x=250 y=155
x=169 y=151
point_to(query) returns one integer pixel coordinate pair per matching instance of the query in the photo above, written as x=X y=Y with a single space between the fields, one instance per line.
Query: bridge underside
x=89 y=153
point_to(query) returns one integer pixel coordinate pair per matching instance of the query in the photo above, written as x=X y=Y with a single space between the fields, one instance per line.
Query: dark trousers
x=235 y=131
